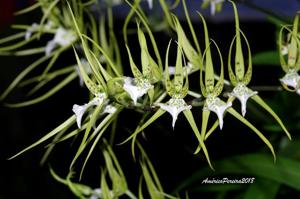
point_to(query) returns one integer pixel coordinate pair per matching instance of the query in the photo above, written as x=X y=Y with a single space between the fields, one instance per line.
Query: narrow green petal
x=260 y=135
x=264 y=105
x=58 y=129
x=51 y=92
x=154 y=117
x=189 y=116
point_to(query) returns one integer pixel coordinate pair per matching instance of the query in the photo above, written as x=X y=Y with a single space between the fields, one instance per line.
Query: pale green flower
x=216 y=105
x=175 y=106
x=136 y=88
x=243 y=93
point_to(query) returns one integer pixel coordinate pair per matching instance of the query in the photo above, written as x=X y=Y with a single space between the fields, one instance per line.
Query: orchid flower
x=243 y=93
x=241 y=78
x=174 y=107
x=79 y=110
x=291 y=80
x=177 y=89
x=142 y=82
x=136 y=88
x=217 y=106
x=62 y=37
x=209 y=89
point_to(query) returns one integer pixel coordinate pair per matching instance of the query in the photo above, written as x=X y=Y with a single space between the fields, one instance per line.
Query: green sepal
x=264 y=105
x=253 y=128
x=190 y=118
x=93 y=88
x=239 y=58
x=208 y=64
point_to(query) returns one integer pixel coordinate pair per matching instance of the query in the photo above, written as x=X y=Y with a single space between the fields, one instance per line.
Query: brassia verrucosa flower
x=290 y=57
x=240 y=79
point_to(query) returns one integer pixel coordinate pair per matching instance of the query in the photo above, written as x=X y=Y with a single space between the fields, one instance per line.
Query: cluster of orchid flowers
x=153 y=86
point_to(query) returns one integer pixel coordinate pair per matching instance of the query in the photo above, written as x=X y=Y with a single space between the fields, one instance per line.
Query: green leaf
x=262 y=189
x=284 y=171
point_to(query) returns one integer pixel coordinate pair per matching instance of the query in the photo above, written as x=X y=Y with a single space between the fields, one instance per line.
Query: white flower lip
x=62 y=37
x=243 y=94
x=175 y=106
x=79 y=110
x=136 y=88
x=291 y=79
x=217 y=106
